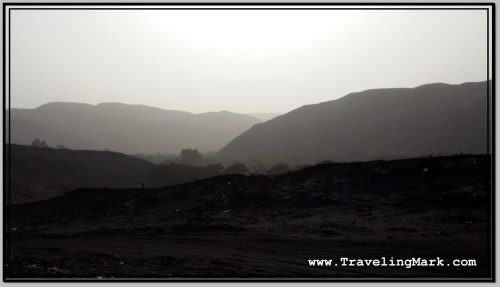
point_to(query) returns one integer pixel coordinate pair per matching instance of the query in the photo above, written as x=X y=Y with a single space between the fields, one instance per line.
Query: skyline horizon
x=237 y=112
x=268 y=61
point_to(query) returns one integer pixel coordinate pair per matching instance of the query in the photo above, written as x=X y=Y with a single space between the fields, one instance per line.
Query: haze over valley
x=205 y=142
x=434 y=119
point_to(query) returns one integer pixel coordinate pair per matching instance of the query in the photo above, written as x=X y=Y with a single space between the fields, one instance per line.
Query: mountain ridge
x=126 y=128
x=428 y=119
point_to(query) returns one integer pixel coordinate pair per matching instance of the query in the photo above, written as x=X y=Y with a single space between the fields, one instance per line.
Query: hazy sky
x=241 y=61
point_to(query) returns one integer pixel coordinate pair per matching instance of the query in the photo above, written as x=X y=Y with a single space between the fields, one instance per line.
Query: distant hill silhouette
x=264 y=116
x=40 y=173
x=437 y=119
x=126 y=128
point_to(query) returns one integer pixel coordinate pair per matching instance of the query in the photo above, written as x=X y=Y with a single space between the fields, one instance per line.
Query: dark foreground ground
x=266 y=227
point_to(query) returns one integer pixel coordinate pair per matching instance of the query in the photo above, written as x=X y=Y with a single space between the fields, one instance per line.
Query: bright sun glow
x=250 y=30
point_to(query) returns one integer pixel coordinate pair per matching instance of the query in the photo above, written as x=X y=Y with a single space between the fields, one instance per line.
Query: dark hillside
x=434 y=119
x=436 y=206
x=40 y=173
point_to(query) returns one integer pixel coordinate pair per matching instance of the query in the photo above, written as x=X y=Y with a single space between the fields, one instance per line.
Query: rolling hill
x=41 y=173
x=433 y=119
x=126 y=128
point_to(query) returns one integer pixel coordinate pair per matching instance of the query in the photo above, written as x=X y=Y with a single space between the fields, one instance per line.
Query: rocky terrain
x=260 y=226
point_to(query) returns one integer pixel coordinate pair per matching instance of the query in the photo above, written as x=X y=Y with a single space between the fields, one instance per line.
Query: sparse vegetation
x=39 y=143
x=190 y=157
